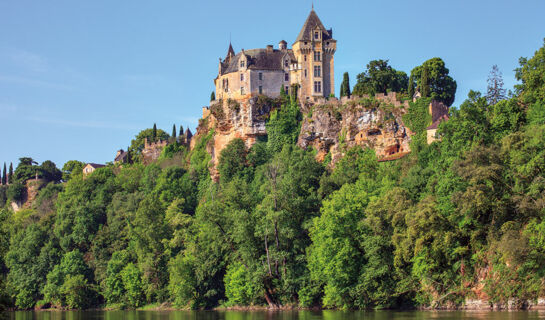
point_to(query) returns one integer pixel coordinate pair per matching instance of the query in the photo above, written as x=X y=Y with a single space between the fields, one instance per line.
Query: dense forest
x=463 y=217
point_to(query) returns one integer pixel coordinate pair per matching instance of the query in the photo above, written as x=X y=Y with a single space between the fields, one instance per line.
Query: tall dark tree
x=4 y=175
x=10 y=173
x=154 y=132
x=345 y=86
x=411 y=87
x=173 y=135
x=495 y=91
x=425 y=83
x=212 y=96
x=181 y=131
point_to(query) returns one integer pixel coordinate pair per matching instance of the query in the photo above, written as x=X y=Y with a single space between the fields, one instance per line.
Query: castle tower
x=314 y=49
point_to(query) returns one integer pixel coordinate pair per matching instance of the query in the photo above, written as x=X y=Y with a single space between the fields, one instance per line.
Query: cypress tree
x=212 y=96
x=4 y=175
x=345 y=85
x=181 y=130
x=173 y=137
x=410 y=89
x=10 y=174
x=154 y=132
x=282 y=91
x=425 y=83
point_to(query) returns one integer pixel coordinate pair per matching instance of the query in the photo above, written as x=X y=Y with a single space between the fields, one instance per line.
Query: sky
x=79 y=79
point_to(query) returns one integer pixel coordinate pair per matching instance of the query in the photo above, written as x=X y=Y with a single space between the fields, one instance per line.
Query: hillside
x=281 y=204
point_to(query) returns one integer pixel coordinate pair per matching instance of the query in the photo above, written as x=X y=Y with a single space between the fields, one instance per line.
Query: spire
x=310 y=24
x=230 y=51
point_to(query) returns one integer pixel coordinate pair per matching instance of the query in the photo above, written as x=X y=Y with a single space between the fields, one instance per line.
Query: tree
x=137 y=144
x=345 y=86
x=495 y=91
x=282 y=91
x=212 y=96
x=173 y=135
x=432 y=75
x=4 y=177
x=10 y=175
x=232 y=160
x=50 y=172
x=411 y=88
x=380 y=77
x=424 y=83
x=71 y=169
x=154 y=133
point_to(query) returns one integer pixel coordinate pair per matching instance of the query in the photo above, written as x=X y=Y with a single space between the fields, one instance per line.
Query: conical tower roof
x=310 y=24
x=230 y=51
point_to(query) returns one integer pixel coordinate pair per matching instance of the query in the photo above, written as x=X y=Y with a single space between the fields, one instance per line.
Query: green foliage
x=212 y=96
x=345 y=86
x=380 y=78
x=283 y=126
x=72 y=168
x=432 y=80
x=239 y=287
x=232 y=160
x=16 y=192
x=137 y=144
x=278 y=228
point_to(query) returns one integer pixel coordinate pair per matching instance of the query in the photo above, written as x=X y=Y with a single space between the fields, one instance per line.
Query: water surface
x=273 y=315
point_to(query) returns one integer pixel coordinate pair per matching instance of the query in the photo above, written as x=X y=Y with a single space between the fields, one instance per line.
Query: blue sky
x=79 y=79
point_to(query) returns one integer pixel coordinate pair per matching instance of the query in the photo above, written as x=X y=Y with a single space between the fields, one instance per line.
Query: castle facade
x=307 y=65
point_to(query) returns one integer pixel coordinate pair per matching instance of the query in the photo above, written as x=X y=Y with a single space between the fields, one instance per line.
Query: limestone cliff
x=231 y=119
x=336 y=126
x=330 y=126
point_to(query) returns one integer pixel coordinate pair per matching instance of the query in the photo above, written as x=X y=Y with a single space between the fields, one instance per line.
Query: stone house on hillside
x=307 y=65
x=91 y=167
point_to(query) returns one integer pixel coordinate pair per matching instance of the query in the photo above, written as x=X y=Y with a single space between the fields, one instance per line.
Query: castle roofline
x=310 y=25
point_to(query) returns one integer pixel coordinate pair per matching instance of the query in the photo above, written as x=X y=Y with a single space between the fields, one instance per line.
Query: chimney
x=269 y=48
x=282 y=45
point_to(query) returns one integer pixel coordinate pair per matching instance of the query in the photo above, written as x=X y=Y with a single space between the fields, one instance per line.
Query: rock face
x=330 y=126
x=337 y=126
x=231 y=119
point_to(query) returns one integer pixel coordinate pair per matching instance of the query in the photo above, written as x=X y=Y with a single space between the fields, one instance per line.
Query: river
x=273 y=315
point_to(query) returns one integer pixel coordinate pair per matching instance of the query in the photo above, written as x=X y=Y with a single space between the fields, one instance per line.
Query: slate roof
x=188 y=134
x=309 y=26
x=96 y=165
x=436 y=123
x=121 y=156
x=258 y=59
x=230 y=51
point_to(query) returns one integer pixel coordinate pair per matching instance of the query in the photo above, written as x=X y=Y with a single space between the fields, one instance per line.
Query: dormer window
x=242 y=63
x=286 y=63
x=316 y=35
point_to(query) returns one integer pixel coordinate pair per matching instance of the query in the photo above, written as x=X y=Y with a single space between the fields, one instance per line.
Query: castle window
x=305 y=56
x=317 y=86
x=286 y=77
x=241 y=90
x=260 y=89
x=316 y=35
x=317 y=71
x=317 y=56
x=287 y=63
x=242 y=77
x=287 y=89
x=261 y=76
x=305 y=73
x=242 y=63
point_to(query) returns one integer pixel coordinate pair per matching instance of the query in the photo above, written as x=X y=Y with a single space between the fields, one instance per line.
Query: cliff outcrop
x=373 y=122
x=330 y=126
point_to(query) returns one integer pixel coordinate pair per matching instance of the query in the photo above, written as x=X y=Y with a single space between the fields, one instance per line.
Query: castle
x=307 y=66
